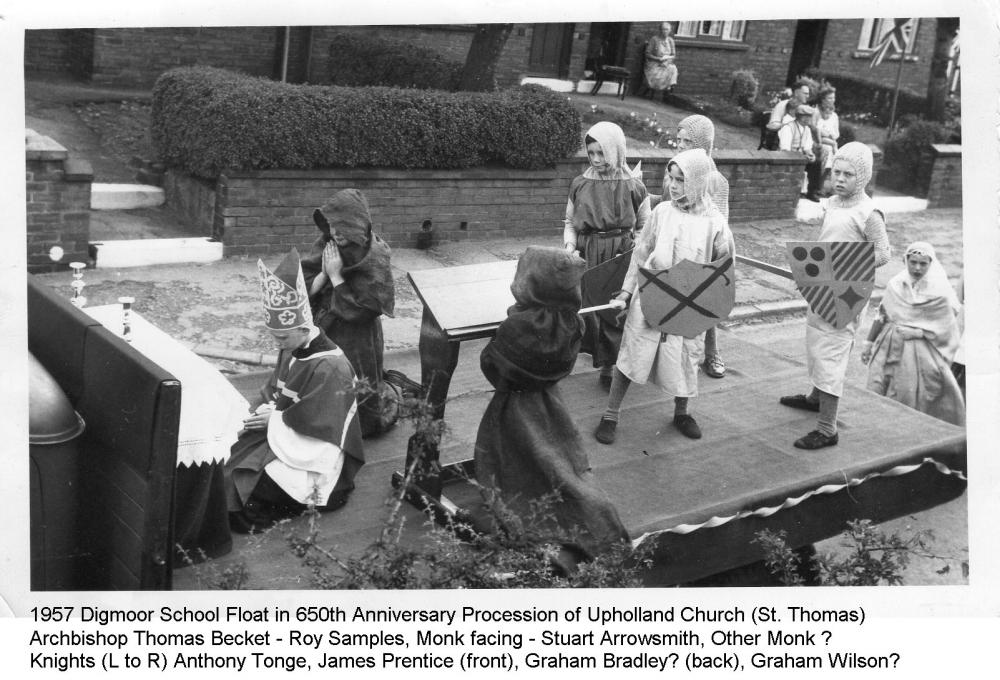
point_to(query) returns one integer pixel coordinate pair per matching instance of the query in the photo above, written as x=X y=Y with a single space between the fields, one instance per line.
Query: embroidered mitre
x=284 y=294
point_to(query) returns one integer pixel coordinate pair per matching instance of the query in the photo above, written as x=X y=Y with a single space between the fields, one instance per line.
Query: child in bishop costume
x=850 y=216
x=528 y=446
x=301 y=443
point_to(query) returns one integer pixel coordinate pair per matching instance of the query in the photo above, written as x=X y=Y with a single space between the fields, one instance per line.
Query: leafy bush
x=360 y=60
x=206 y=121
x=744 y=88
x=873 y=559
x=863 y=101
x=905 y=151
x=847 y=134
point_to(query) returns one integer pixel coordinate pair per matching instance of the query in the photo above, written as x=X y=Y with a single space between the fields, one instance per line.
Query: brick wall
x=267 y=212
x=58 y=51
x=137 y=56
x=945 y=184
x=705 y=67
x=58 y=203
x=840 y=48
x=450 y=40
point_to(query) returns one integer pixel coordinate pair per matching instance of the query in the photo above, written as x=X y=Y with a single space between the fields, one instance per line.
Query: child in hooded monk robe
x=350 y=284
x=607 y=206
x=528 y=446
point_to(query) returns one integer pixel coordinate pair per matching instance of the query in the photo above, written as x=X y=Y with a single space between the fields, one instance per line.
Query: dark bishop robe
x=312 y=448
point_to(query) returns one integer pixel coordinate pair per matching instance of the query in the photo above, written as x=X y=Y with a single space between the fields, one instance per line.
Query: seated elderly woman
x=912 y=343
x=659 y=71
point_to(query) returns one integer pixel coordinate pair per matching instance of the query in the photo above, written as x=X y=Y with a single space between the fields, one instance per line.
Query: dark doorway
x=807 y=48
x=550 y=49
x=608 y=45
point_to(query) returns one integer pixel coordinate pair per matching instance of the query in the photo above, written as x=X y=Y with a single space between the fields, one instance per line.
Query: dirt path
x=102 y=125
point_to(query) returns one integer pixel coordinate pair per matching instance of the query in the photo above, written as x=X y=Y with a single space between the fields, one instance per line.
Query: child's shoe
x=688 y=426
x=605 y=432
x=817 y=440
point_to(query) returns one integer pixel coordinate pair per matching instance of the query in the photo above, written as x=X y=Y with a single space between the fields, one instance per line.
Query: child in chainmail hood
x=698 y=132
x=684 y=226
x=349 y=277
x=607 y=206
x=851 y=215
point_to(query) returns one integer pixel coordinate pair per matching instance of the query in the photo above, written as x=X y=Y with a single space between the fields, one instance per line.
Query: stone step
x=608 y=87
x=554 y=84
x=125 y=196
x=121 y=254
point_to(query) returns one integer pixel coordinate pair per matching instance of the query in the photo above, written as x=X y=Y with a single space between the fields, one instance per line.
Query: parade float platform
x=700 y=501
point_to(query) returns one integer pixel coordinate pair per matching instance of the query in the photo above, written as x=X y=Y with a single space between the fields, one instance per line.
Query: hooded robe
x=917 y=371
x=350 y=314
x=528 y=446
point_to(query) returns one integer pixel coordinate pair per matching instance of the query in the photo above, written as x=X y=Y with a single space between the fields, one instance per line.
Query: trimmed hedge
x=361 y=60
x=206 y=121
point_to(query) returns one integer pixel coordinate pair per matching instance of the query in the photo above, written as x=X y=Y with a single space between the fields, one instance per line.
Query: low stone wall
x=267 y=212
x=944 y=188
x=58 y=203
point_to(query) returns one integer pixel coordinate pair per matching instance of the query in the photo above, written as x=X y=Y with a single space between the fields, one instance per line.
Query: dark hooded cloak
x=528 y=446
x=350 y=314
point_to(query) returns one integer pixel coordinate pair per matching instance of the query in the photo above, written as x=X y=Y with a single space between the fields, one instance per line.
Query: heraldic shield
x=600 y=284
x=835 y=277
x=690 y=297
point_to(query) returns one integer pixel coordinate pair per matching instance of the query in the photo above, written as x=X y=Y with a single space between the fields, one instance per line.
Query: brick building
x=708 y=51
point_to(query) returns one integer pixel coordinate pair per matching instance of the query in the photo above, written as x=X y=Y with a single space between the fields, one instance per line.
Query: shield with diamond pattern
x=835 y=277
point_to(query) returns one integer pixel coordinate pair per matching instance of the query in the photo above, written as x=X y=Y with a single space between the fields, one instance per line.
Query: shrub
x=870 y=102
x=359 y=60
x=744 y=88
x=812 y=79
x=847 y=134
x=904 y=152
x=206 y=121
x=873 y=559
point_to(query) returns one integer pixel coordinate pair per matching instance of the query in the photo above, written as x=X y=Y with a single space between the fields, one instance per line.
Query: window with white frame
x=712 y=30
x=874 y=30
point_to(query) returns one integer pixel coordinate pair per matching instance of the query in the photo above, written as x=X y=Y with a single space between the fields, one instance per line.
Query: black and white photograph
x=483 y=341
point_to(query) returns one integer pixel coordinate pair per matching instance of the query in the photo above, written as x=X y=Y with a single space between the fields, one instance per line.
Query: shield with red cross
x=835 y=277
x=601 y=283
x=690 y=297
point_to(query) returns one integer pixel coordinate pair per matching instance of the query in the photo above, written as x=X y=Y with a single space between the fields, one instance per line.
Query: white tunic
x=671 y=235
x=827 y=349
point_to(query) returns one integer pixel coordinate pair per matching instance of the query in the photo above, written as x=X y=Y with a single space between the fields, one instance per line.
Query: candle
x=126 y=303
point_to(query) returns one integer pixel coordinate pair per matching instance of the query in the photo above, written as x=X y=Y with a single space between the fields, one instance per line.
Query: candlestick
x=77 y=284
x=126 y=303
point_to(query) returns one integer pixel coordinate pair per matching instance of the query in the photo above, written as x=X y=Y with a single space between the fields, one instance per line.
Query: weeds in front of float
x=506 y=549
x=523 y=549
x=871 y=557
x=212 y=575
